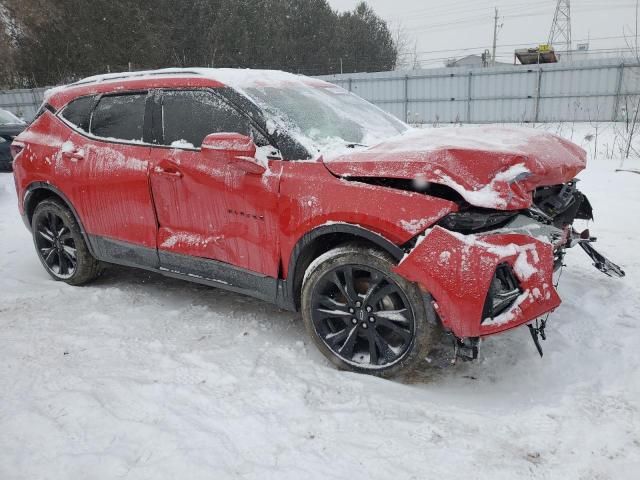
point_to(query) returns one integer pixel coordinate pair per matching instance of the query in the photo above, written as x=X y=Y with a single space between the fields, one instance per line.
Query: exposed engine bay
x=560 y=206
x=554 y=210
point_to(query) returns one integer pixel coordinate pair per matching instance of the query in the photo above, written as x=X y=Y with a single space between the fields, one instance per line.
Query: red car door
x=206 y=209
x=105 y=173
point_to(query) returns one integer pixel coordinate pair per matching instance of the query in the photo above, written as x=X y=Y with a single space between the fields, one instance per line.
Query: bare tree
x=7 y=66
x=407 y=50
x=630 y=107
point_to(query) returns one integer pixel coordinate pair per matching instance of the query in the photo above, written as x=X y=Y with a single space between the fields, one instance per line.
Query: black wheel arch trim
x=287 y=288
x=32 y=188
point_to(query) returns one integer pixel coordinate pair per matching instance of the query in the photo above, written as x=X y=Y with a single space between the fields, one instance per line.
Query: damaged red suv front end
x=490 y=265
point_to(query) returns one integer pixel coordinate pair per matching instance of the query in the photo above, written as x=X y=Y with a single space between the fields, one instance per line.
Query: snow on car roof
x=238 y=78
x=235 y=77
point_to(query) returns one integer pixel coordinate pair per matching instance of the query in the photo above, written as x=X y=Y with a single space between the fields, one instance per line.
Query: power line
x=480 y=47
x=547 y=5
x=477 y=18
x=465 y=8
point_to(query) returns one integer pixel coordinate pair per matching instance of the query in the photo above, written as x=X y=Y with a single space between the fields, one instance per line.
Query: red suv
x=300 y=193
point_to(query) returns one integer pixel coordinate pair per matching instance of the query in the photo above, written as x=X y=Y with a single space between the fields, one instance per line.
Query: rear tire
x=60 y=245
x=365 y=318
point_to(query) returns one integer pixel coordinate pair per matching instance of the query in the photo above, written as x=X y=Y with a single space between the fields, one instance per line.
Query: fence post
x=36 y=101
x=538 y=90
x=350 y=83
x=616 y=103
x=469 y=97
x=406 y=98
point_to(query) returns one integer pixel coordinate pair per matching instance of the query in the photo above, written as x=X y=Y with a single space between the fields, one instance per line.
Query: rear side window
x=189 y=116
x=43 y=108
x=120 y=117
x=78 y=112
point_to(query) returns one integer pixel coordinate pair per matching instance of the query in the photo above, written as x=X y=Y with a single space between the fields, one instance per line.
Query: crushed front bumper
x=460 y=271
x=484 y=281
x=491 y=282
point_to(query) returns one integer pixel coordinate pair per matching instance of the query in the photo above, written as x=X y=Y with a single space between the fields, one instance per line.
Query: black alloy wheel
x=60 y=244
x=363 y=316
x=56 y=245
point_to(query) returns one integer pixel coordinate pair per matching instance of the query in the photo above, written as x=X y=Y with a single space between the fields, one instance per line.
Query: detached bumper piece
x=606 y=266
x=562 y=204
x=483 y=284
x=602 y=263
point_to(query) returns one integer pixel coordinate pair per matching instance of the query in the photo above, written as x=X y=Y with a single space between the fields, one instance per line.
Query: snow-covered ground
x=139 y=376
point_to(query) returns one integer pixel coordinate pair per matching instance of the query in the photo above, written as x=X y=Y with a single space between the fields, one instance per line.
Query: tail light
x=16 y=148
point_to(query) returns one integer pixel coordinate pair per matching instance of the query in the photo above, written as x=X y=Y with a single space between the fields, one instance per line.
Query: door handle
x=73 y=155
x=168 y=169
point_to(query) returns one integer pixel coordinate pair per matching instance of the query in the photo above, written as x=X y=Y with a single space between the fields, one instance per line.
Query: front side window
x=120 y=117
x=78 y=112
x=188 y=116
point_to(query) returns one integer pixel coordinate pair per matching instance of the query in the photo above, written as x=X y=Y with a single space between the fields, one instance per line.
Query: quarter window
x=120 y=117
x=189 y=116
x=78 y=112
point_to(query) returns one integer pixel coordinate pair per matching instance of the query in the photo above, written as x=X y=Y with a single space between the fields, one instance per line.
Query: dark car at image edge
x=10 y=127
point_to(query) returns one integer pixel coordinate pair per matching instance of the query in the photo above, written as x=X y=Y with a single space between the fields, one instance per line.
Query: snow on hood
x=490 y=166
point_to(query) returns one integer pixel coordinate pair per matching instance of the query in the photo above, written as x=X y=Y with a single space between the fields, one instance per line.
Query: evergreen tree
x=61 y=40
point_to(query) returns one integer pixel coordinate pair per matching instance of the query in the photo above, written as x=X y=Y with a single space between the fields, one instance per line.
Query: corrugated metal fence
x=585 y=91
x=24 y=103
x=596 y=90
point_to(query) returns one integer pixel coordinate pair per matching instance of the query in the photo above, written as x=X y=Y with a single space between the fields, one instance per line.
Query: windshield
x=328 y=117
x=8 y=118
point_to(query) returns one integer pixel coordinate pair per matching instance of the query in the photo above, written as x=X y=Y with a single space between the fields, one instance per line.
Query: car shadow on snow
x=249 y=330
x=154 y=288
x=501 y=356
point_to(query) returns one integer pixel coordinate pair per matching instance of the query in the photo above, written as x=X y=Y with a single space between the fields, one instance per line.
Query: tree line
x=47 y=42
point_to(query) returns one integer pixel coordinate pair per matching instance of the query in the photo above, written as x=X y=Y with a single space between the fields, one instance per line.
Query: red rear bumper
x=457 y=270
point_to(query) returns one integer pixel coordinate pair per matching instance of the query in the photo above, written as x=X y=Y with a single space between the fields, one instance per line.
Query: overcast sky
x=452 y=25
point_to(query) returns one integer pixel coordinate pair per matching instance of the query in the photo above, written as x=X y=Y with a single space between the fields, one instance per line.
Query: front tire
x=60 y=245
x=363 y=317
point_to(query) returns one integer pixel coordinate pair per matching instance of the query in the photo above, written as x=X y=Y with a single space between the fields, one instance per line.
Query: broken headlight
x=562 y=204
x=476 y=220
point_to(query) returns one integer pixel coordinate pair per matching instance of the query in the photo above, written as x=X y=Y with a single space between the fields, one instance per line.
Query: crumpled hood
x=490 y=167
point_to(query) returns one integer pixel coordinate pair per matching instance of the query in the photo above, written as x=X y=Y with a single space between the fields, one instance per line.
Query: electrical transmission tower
x=561 y=27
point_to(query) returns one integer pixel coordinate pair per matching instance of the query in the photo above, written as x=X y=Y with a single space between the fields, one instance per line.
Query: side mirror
x=234 y=148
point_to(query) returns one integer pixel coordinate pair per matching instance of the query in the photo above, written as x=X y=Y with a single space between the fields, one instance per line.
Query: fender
x=28 y=195
x=286 y=295
x=348 y=228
